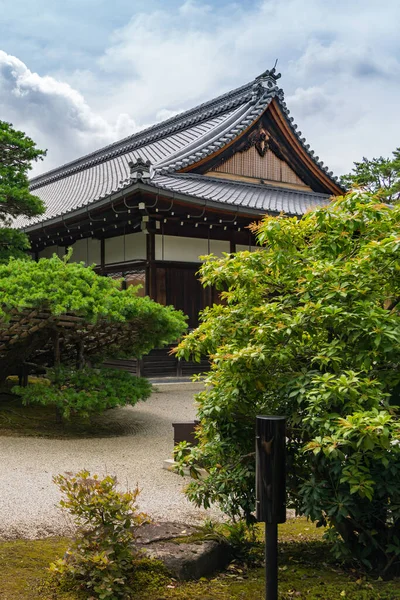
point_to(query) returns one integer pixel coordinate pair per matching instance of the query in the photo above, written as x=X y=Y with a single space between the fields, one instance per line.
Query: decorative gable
x=260 y=163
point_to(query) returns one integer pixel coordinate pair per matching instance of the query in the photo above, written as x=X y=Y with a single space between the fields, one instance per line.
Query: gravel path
x=28 y=498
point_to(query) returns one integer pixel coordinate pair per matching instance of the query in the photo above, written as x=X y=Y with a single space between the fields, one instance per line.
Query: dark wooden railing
x=159 y=363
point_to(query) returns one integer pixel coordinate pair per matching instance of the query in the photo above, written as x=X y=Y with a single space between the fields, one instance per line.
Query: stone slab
x=186 y=559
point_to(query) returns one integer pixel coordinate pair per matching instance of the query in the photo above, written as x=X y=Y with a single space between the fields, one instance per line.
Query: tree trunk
x=80 y=359
x=56 y=346
x=20 y=352
x=57 y=362
x=59 y=418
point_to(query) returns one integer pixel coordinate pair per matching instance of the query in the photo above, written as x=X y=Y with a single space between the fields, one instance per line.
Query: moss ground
x=40 y=421
x=306 y=571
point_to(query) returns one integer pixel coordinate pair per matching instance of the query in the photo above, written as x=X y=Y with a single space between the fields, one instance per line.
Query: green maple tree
x=309 y=327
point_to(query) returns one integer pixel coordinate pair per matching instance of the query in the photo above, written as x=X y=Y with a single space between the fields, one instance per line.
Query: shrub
x=102 y=559
x=309 y=328
x=85 y=391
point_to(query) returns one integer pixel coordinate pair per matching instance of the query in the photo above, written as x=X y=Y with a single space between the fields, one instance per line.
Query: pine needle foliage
x=84 y=391
x=378 y=176
x=109 y=321
x=17 y=152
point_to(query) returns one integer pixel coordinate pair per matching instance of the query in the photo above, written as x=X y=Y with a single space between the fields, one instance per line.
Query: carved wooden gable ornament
x=261 y=141
x=259 y=138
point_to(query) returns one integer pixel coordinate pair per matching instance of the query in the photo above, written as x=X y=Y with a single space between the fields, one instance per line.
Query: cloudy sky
x=79 y=74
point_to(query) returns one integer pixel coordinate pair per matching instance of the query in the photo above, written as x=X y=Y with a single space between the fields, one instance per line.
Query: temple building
x=145 y=208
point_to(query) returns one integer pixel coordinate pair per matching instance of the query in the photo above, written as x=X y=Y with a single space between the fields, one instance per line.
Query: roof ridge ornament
x=270 y=74
x=265 y=83
x=140 y=170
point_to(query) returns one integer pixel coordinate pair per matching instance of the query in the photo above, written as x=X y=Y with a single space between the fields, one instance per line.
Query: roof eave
x=149 y=188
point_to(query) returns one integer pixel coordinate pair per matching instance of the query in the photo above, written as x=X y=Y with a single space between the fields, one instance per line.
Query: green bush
x=85 y=391
x=309 y=328
x=103 y=558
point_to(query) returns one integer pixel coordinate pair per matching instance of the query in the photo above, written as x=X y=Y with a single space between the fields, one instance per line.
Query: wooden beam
x=102 y=254
x=267 y=182
x=151 y=271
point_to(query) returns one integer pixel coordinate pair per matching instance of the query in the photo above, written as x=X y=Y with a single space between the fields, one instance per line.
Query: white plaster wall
x=135 y=248
x=87 y=251
x=217 y=247
x=94 y=252
x=241 y=248
x=182 y=249
x=50 y=250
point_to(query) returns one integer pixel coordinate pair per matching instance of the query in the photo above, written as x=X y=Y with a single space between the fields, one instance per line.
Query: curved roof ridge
x=223 y=135
x=149 y=134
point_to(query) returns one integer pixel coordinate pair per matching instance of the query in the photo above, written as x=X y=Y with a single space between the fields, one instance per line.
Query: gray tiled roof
x=170 y=146
x=84 y=186
x=260 y=198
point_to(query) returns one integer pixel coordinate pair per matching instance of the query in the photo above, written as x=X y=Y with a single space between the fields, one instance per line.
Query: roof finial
x=266 y=83
x=270 y=75
x=139 y=170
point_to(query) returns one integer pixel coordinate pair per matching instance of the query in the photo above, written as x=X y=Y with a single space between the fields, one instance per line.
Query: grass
x=306 y=571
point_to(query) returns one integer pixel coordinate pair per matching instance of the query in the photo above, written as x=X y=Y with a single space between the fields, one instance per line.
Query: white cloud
x=357 y=60
x=309 y=101
x=338 y=60
x=53 y=113
x=352 y=112
x=336 y=70
x=194 y=10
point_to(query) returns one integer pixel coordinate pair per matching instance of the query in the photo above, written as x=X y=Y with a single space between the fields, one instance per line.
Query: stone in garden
x=189 y=558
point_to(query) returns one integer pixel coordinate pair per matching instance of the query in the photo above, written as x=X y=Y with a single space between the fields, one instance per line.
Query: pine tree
x=17 y=152
x=379 y=176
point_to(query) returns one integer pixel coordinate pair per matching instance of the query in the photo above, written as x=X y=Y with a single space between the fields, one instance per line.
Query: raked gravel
x=28 y=497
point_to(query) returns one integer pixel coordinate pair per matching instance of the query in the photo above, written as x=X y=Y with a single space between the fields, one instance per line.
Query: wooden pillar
x=178 y=367
x=102 y=254
x=56 y=342
x=57 y=361
x=151 y=268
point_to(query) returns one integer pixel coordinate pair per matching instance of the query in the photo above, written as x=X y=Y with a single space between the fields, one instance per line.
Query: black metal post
x=271 y=491
x=271 y=561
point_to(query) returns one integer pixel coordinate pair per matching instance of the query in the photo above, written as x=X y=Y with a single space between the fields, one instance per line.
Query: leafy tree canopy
x=309 y=328
x=17 y=152
x=379 y=176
